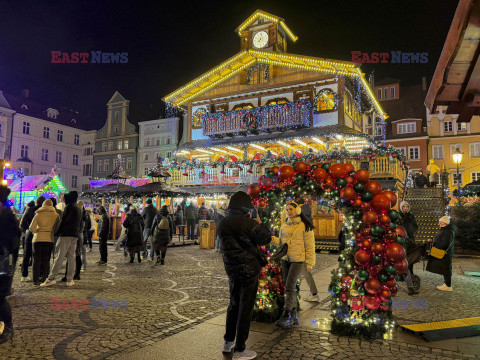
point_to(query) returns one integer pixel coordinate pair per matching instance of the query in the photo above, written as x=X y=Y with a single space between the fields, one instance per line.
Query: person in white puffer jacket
x=297 y=233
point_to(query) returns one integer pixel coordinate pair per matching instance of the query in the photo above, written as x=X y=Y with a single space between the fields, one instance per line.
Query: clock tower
x=265 y=32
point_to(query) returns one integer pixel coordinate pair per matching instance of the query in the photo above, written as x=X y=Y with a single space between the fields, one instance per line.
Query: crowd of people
x=67 y=234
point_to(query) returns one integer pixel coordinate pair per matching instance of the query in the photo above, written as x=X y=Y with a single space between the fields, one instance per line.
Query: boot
x=162 y=262
x=158 y=260
x=412 y=291
x=78 y=266
x=295 y=317
x=132 y=258
x=139 y=258
x=286 y=321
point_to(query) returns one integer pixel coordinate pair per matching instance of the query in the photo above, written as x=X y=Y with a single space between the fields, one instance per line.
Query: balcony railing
x=289 y=115
x=381 y=167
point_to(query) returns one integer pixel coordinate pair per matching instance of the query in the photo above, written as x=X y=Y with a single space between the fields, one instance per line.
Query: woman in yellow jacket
x=43 y=226
x=297 y=233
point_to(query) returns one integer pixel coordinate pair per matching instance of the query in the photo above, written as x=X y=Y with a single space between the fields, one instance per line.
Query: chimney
x=424 y=83
x=25 y=93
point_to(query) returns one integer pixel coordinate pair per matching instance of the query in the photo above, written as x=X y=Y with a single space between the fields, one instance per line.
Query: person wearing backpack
x=161 y=228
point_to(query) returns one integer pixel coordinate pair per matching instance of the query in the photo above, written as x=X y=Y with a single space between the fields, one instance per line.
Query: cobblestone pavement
x=190 y=289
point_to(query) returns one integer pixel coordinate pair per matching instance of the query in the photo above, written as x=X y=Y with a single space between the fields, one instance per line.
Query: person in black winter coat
x=191 y=215
x=103 y=232
x=68 y=233
x=161 y=233
x=408 y=221
x=444 y=241
x=134 y=224
x=10 y=243
x=148 y=215
x=239 y=238
x=421 y=180
x=27 y=244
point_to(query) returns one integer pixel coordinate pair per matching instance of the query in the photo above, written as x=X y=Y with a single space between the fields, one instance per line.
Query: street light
x=457 y=159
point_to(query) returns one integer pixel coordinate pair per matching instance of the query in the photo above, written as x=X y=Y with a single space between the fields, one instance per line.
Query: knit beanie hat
x=240 y=201
x=445 y=219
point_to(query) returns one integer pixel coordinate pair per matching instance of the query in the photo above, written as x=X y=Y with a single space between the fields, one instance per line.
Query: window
x=59 y=135
x=403 y=151
x=243 y=106
x=45 y=154
x=414 y=152
x=43 y=173
x=129 y=164
x=46 y=132
x=145 y=157
x=379 y=94
x=475 y=175
x=24 y=151
x=125 y=144
x=26 y=127
x=119 y=145
x=277 y=101
x=379 y=130
x=74 y=181
x=349 y=108
x=104 y=146
x=110 y=145
x=461 y=126
x=147 y=142
x=168 y=140
x=457 y=180
x=146 y=171
x=392 y=92
x=75 y=159
x=105 y=165
x=454 y=147
x=169 y=155
x=87 y=151
x=87 y=169
x=437 y=152
x=76 y=139
x=406 y=128
x=58 y=157
x=116 y=115
x=474 y=149
x=99 y=165
x=448 y=126
x=157 y=141
x=115 y=129
x=385 y=93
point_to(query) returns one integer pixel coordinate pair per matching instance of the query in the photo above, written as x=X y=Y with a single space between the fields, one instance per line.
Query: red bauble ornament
x=285 y=173
x=377 y=248
x=401 y=267
x=366 y=206
x=327 y=184
x=262 y=204
x=381 y=202
x=349 y=167
x=390 y=284
x=346 y=281
x=385 y=220
x=337 y=170
x=319 y=174
x=394 y=252
x=253 y=191
x=375 y=270
x=300 y=167
x=350 y=180
x=401 y=231
x=374 y=187
x=385 y=295
x=366 y=244
x=372 y=285
x=343 y=297
x=362 y=257
x=362 y=176
x=391 y=195
x=370 y=217
x=275 y=169
x=347 y=193
x=372 y=302
x=357 y=203
x=393 y=291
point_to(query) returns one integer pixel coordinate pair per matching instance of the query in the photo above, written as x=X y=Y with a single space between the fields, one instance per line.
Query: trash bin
x=208 y=232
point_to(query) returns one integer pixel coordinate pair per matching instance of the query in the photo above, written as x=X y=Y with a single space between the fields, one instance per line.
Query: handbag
x=281 y=252
x=439 y=253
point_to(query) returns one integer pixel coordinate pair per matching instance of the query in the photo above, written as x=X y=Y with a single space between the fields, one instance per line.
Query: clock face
x=260 y=39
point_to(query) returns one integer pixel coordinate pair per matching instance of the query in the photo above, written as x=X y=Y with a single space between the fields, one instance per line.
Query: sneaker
x=244 y=355
x=444 y=287
x=48 y=283
x=70 y=283
x=228 y=347
x=83 y=269
x=312 y=298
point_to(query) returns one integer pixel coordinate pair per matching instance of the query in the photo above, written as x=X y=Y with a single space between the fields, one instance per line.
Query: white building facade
x=87 y=141
x=156 y=138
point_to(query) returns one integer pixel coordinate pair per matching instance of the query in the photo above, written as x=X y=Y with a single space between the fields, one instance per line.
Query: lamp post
x=457 y=159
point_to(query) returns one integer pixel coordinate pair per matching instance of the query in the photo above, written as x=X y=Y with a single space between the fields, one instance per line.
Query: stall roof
x=36 y=182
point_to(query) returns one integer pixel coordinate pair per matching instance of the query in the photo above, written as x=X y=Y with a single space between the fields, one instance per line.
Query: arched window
x=277 y=101
x=326 y=100
x=348 y=103
x=243 y=106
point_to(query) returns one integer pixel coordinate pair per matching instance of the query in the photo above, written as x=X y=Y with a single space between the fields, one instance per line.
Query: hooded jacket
x=407 y=220
x=28 y=216
x=191 y=212
x=301 y=243
x=134 y=224
x=203 y=213
x=148 y=215
x=72 y=217
x=443 y=240
x=45 y=223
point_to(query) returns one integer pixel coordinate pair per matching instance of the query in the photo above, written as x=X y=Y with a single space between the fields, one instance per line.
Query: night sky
x=171 y=42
